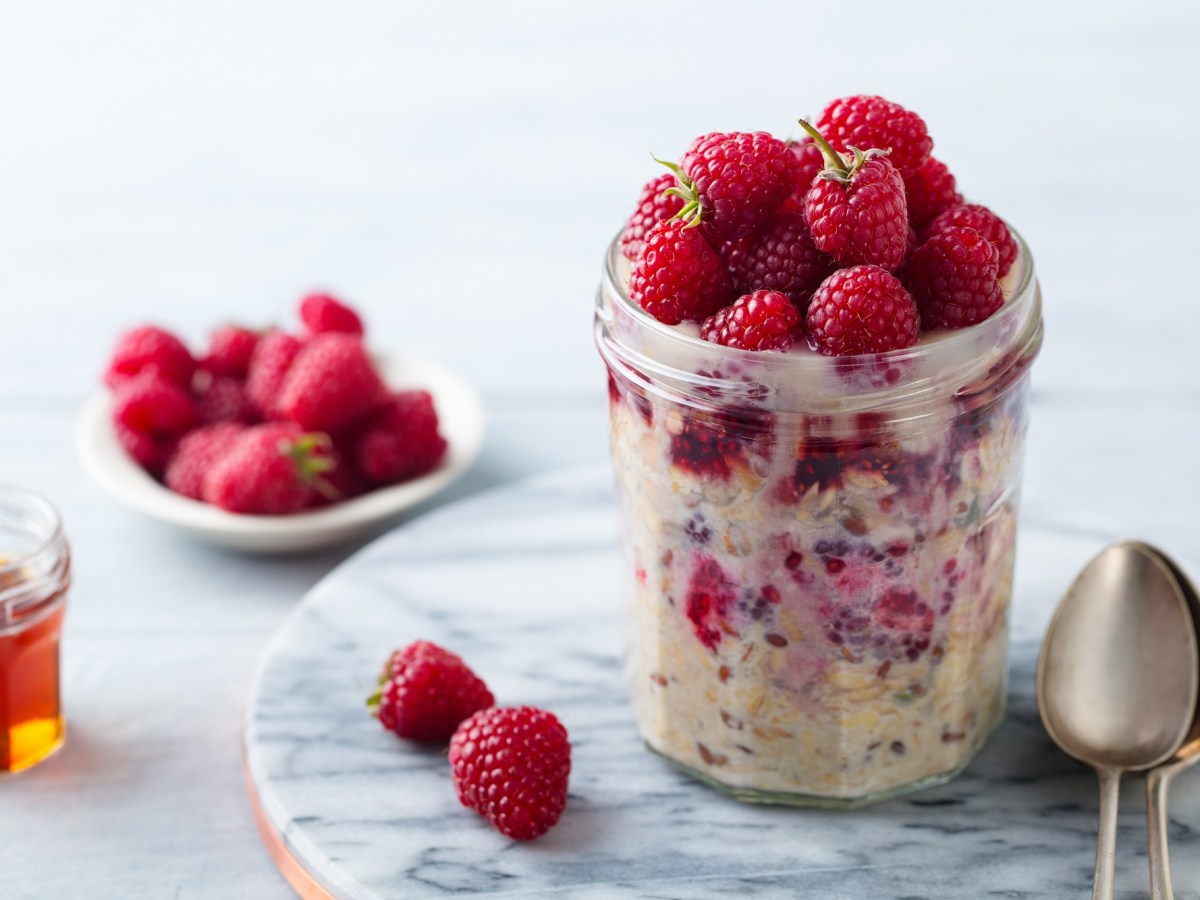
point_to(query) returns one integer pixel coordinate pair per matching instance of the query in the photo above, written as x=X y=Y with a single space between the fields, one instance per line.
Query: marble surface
x=194 y=163
x=523 y=583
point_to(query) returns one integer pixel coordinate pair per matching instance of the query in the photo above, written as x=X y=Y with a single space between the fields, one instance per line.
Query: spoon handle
x=1106 y=836
x=1158 y=781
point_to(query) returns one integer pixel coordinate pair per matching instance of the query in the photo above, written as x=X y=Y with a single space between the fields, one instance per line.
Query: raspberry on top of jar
x=855 y=225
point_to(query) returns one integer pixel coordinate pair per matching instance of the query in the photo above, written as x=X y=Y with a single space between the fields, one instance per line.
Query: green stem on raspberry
x=373 y=702
x=675 y=170
x=309 y=467
x=834 y=158
x=685 y=190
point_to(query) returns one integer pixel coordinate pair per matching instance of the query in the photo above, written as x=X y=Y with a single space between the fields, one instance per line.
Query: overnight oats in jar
x=818 y=460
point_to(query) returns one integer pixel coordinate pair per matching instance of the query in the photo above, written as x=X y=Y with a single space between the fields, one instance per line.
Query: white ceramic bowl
x=460 y=416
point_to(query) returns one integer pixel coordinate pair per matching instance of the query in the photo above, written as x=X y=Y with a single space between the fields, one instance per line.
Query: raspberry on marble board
x=426 y=691
x=512 y=765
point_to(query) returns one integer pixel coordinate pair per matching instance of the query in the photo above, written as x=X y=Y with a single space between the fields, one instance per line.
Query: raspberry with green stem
x=309 y=453
x=856 y=207
x=730 y=183
x=837 y=167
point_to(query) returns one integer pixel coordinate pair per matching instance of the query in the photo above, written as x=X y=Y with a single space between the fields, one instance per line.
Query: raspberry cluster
x=856 y=227
x=269 y=423
x=509 y=764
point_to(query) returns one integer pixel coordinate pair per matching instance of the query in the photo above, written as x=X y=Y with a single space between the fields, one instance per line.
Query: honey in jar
x=34 y=576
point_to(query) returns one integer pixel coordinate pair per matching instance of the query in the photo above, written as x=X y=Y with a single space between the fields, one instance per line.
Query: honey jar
x=35 y=572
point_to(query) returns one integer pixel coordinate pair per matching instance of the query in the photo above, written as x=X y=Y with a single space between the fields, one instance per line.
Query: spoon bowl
x=1117 y=678
x=1158 y=779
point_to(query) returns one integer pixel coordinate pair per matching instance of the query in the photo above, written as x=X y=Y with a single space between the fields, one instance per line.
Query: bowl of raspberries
x=273 y=440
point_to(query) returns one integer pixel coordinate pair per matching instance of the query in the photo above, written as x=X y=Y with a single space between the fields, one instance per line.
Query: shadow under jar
x=818 y=551
x=35 y=572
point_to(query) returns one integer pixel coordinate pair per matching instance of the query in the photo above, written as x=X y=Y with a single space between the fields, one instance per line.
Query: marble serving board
x=522 y=582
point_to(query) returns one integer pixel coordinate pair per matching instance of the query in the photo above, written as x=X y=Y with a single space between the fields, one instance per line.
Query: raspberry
x=930 y=191
x=734 y=182
x=862 y=309
x=196 y=454
x=907 y=620
x=344 y=480
x=780 y=256
x=229 y=350
x=710 y=597
x=730 y=252
x=269 y=364
x=763 y=320
x=271 y=469
x=868 y=122
x=224 y=399
x=856 y=209
x=331 y=385
x=150 y=347
x=425 y=692
x=954 y=278
x=911 y=242
x=987 y=223
x=151 y=414
x=401 y=441
x=322 y=313
x=678 y=276
x=809 y=163
x=511 y=765
x=143 y=449
x=653 y=206
x=705 y=450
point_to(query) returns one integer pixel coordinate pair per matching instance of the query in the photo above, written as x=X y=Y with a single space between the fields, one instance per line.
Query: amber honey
x=31 y=721
x=34 y=575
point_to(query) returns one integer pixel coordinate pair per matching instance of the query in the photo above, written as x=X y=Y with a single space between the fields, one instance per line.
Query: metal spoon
x=1158 y=779
x=1117 y=677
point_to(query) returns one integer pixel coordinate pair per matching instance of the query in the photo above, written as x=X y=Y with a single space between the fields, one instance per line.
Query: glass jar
x=35 y=572
x=818 y=551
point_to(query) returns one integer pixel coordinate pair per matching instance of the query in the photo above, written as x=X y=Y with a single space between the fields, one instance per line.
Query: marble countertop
x=190 y=165
x=521 y=581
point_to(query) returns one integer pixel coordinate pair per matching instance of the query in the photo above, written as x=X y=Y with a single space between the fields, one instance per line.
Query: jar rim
x=38 y=505
x=967 y=363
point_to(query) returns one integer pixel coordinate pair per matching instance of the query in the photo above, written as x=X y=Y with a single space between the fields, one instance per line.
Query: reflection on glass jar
x=819 y=552
x=35 y=571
